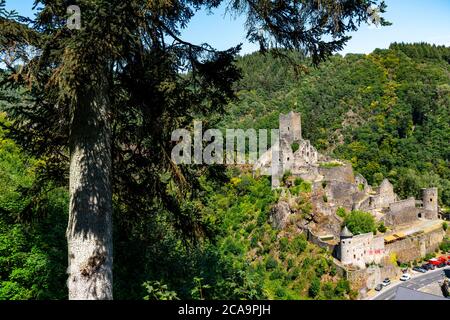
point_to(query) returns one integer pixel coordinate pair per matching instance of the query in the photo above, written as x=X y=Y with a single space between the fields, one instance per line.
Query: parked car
x=419 y=269
x=442 y=265
x=405 y=277
x=428 y=266
x=386 y=282
x=379 y=287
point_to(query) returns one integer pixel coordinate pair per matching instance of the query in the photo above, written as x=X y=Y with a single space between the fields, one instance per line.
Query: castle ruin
x=414 y=225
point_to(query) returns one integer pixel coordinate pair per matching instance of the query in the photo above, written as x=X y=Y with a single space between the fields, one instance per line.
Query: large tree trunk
x=89 y=232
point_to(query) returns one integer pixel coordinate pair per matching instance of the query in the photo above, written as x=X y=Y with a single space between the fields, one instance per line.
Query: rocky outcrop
x=279 y=215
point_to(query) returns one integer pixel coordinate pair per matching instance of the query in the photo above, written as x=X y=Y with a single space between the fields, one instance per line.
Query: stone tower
x=290 y=127
x=430 y=202
x=346 y=252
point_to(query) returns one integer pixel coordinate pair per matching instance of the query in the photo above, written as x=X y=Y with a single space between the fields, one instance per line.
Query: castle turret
x=346 y=240
x=291 y=127
x=430 y=203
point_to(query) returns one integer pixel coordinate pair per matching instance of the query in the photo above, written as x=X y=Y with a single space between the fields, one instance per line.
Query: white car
x=405 y=277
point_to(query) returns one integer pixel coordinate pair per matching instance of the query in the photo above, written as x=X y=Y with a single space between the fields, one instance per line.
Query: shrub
x=314 y=288
x=321 y=267
x=276 y=274
x=333 y=271
x=445 y=246
x=294 y=274
x=284 y=244
x=290 y=263
x=429 y=256
x=271 y=263
x=342 y=287
x=305 y=187
x=298 y=181
x=158 y=291
x=299 y=244
x=359 y=222
x=280 y=292
x=382 y=228
x=295 y=146
x=341 y=212
x=328 y=290
x=445 y=226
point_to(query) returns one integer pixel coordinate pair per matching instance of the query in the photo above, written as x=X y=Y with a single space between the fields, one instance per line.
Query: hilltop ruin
x=415 y=228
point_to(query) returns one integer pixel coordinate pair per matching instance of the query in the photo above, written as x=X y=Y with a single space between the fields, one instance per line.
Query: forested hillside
x=387 y=112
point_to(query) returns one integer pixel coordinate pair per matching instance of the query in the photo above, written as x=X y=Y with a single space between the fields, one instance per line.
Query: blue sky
x=413 y=21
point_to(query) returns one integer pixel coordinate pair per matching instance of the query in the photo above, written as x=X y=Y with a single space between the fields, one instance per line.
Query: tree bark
x=89 y=231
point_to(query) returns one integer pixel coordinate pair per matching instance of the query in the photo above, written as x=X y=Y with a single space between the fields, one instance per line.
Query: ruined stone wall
x=367 y=279
x=340 y=194
x=415 y=247
x=360 y=180
x=385 y=196
x=363 y=205
x=309 y=173
x=400 y=206
x=393 y=219
x=318 y=242
x=402 y=212
x=306 y=153
x=342 y=173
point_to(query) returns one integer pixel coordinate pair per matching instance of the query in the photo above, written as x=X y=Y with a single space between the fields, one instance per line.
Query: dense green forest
x=387 y=112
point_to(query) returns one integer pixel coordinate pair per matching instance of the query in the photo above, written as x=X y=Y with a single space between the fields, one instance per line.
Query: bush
x=445 y=226
x=271 y=263
x=298 y=181
x=429 y=256
x=359 y=222
x=290 y=263
x=341 y=212
x=284 y=244
x=333 y=271
x=294 y=274
x=305 y=187
x=299 y=244
x=328 y=290
x=280 y=292
x=295 y=146
x=321 y=267
x=342 y=287
x=314 y=288
x=382 y=228
x=445 y=246
x=276 y=274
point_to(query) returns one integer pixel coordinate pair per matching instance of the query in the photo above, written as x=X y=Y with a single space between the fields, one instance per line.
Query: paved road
x=417 y=282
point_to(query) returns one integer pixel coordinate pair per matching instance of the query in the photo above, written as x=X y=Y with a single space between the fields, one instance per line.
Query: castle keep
x=294 y=153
